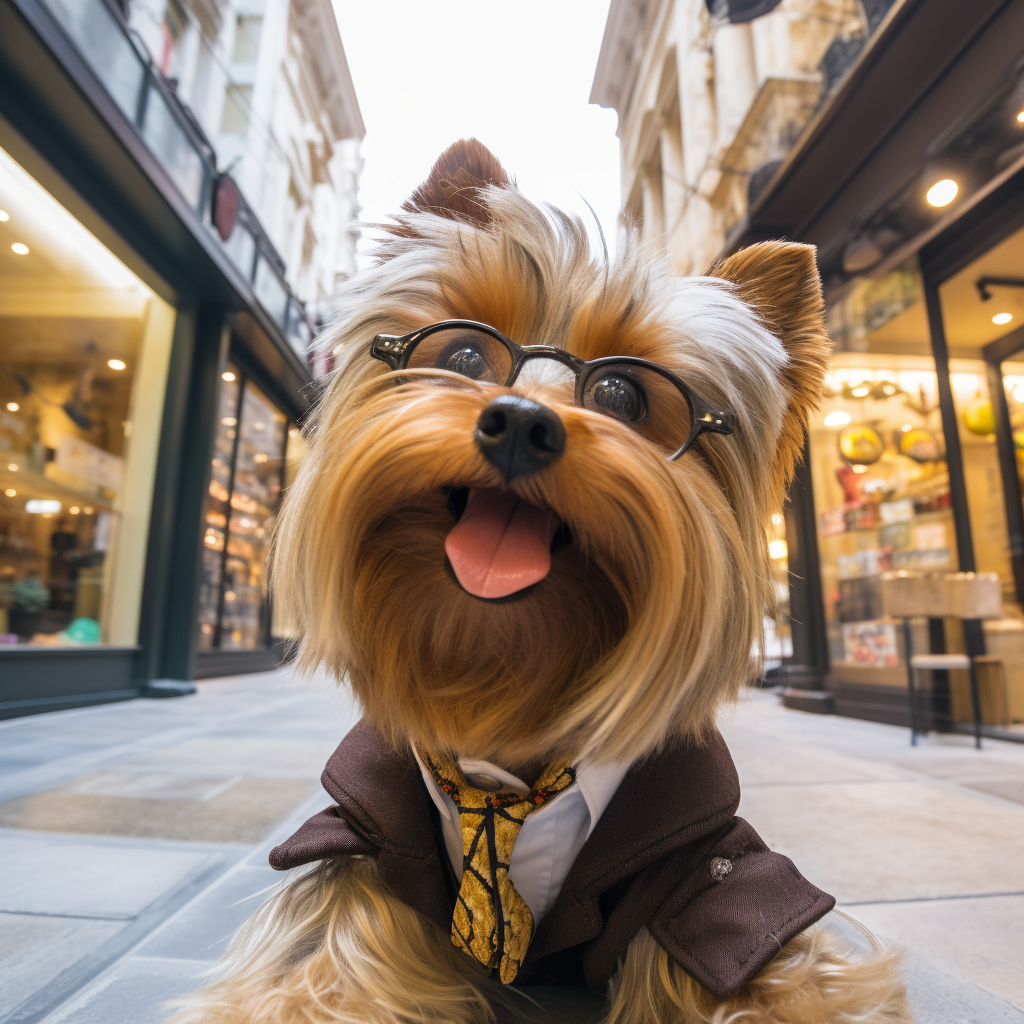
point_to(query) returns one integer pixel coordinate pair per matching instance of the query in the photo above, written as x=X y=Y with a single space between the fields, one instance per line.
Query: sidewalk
x=134 y=837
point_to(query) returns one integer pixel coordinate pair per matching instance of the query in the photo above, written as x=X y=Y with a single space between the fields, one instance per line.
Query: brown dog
x=530 y=530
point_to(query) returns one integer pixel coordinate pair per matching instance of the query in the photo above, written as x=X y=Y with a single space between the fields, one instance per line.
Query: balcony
x=122 y=65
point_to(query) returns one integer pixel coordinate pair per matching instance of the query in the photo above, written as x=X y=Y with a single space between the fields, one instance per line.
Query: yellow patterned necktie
x=492 y=921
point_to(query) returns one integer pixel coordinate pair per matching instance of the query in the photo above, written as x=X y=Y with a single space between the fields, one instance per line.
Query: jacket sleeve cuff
x=326 y=834
x=736 y=911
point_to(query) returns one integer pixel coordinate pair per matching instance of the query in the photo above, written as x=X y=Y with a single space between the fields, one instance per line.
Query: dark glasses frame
x=396 y=350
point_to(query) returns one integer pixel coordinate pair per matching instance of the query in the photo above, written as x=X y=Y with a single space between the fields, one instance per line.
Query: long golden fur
x=645 y=624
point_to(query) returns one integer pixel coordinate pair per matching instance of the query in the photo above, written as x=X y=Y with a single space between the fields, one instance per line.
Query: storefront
x=915 y=456
x=151 y=379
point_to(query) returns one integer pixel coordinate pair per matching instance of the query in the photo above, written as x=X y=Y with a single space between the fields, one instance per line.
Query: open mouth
x=501 y=544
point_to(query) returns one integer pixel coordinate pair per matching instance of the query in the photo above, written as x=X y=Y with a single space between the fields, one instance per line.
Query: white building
x=709 y=104
x=269 y=85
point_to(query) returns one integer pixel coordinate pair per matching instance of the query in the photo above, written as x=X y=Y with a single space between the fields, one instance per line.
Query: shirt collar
x=596 y=783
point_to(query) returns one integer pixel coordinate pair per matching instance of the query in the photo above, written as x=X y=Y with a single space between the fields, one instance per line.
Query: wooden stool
x=959 y=595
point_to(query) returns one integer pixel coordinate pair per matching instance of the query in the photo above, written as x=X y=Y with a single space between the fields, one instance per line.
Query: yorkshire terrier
x=530 y=531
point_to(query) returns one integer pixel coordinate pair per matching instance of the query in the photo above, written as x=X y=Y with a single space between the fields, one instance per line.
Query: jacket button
x=720 y=867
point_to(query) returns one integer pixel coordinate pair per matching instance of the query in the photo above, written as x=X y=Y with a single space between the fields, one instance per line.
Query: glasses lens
x=465 y=351
x=642 y=397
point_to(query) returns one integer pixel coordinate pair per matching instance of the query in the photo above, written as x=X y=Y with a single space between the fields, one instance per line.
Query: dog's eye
x=619 y=397
x=467 y=361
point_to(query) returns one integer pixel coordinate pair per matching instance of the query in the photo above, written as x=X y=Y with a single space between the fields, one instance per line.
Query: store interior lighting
x=116 y=364
x=942 y=193
x=55 y=233
x=1002 y=318
x=837 y=419
x=13 y=407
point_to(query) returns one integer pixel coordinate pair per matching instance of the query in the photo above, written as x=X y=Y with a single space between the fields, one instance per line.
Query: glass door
x=246 y=480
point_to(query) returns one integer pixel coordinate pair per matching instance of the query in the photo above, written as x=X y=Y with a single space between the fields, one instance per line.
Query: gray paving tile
x=201 y=930
x=34 y=950
x=980 y=940
x=151 y=785
x=134 y=991
x=240 y=754
x=891 y=840
x=88 y=878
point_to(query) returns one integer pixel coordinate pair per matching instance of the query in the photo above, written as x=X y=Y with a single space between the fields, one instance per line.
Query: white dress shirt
x=550 y=838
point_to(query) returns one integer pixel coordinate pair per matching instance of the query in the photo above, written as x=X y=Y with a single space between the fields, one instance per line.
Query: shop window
x=253 y=449
x=982 y=314
x=84 y=351
x=881 y=485
x=778 y=636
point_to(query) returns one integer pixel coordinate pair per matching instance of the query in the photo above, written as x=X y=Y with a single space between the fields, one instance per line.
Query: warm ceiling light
x=74 y=510
x=20 y=248
x=116 y=364
x=12 y=466
x=89 y=510
x=777 y=550
x=907 y=427
x=228 y=376
x=776 y=519
x=4 y=216
x=862 y=391
x=837 y=418
x=860 y=469
x=1018 y=393
x=11 y=492
x=889 y=389
x=1020 y=117
x=942 y=193
x=1002 y=318
x=229 y=421
x=42 y=506
x=13 y=407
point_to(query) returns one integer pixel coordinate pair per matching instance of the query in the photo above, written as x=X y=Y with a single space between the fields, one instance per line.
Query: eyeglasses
x=648 y=397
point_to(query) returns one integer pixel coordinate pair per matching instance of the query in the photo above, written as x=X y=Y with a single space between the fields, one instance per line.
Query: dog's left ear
x=455 y=183
x=780 y=281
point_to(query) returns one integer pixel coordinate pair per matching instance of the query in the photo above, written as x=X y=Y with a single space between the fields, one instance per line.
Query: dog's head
x=512 y=570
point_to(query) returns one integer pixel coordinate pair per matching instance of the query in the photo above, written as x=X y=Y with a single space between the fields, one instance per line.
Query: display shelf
x=35 y=485
x=930 y=515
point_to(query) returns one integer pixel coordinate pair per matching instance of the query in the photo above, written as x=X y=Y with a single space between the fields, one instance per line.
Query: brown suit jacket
x=647 y=862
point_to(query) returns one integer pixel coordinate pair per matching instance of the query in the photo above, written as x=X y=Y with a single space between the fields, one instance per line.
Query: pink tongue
x=501 y=544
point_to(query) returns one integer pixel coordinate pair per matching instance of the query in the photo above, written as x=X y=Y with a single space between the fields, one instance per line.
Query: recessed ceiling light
x=1020 y=117
x=942 y=193
x=228 y=376
x=42 y=506
x=74 y=510
x=860 y=469
x=13 y=407
x=861 y=391
x=20 y=248
x=1002 y=318
x=229 y=421
x=837 y=418
x=11 y=492
x=907 y=427
x=4 y=216
x=13 y=467
x=116 y=364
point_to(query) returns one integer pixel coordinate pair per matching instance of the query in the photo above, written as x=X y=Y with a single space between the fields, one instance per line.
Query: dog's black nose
x=518 y=436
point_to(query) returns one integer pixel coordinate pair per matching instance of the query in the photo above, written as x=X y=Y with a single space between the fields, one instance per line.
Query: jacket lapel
x=666 y=801
x=380 y=793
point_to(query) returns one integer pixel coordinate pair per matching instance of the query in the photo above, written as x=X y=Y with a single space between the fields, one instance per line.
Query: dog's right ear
x=455 y=182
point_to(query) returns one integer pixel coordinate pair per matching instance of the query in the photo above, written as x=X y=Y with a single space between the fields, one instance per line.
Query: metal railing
x=170 y=130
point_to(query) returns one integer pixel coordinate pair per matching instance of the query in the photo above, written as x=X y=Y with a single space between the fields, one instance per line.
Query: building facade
x=891 y=136
x=177 y=189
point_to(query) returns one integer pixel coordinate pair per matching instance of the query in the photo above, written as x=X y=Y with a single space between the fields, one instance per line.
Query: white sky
x=514 y=73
